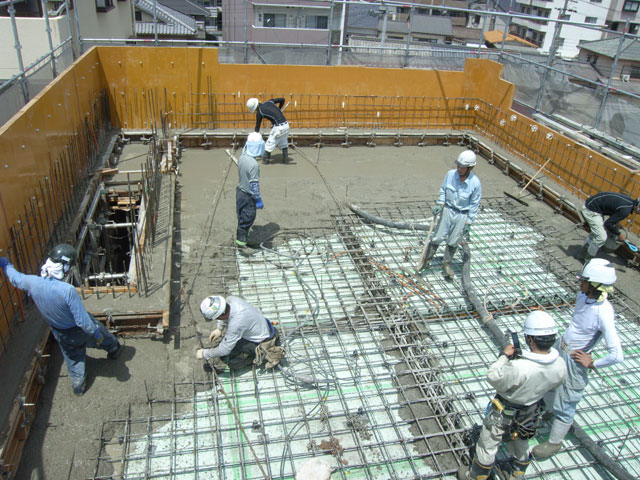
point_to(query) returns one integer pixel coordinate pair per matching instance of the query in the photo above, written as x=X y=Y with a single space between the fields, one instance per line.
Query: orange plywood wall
x=188 y=88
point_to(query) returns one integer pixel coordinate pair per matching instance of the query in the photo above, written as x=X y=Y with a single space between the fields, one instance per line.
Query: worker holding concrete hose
x=593 y=320
x=243 y=335
x=617 y=206
x=279 y=136
x=521 y=379
x=59 y=303
x=457 y=206
x=248 y=197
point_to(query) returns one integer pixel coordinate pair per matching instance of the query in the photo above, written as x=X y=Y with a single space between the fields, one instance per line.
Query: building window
x=630 y=6
x=565 y=17
x=590 y=19
x=595 y=1
x=278 y=20
x=104 y=5
x=592 y=58
x=316 y=21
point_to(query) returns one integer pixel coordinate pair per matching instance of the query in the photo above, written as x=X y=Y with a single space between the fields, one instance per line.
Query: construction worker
x=458 y=203
x=521 y=379
x=248 y=197
x=617 y=206
x=59 y=303
x=279 y=136
x=242 y=335
x=593 y=320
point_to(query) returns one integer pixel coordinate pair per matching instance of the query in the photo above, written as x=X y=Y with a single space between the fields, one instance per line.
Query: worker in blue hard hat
x=243 y=334
x=279 y=135
x=521 y=378
x=457 y=206
x=71 y=325
x=592 y=321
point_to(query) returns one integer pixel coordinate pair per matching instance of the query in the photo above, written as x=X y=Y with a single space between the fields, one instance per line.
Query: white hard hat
x=466 y=159
x=254 y=137
x=539 y=323
x=252 y=104
x=599 y=270
x=212 y=307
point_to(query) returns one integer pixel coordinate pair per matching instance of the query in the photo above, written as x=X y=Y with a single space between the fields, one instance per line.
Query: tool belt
x=269 y=350
x=523 y=419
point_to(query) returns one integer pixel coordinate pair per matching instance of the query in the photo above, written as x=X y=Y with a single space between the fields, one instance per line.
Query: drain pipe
x=601 y=456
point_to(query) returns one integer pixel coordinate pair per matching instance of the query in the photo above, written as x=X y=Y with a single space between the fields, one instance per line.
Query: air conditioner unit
x=626 y=78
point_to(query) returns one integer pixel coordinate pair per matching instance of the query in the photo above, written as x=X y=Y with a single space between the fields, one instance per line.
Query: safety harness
x=524 y=419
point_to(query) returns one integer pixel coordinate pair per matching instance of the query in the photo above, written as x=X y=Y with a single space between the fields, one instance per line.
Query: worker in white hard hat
x=248 y=197
x=243 y=334
x=617 y=206
x=60 y=304
x=592 y=321
x=279 y=136
x=457 y=206
x=521 y=379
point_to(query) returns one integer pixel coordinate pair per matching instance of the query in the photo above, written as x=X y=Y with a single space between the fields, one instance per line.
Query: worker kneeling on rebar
x=457 y=207
x=521 y=378
x=242 y=336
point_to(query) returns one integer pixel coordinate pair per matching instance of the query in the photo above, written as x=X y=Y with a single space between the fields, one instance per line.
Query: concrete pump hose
x=387 y=223
x=503 y=339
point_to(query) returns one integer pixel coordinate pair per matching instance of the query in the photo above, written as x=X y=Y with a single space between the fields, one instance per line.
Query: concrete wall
x=33 y=38
x=116 y=23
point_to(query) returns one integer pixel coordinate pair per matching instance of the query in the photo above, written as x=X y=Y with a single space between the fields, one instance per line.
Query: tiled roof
x=170 y=21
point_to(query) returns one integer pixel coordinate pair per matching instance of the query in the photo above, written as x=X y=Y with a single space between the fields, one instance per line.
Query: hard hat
x=539 y=323
x=252 y=104
x=255 y=145
x=213 y=306
x=598 y=270
x=64 y=253
x=255 y=137
x=466 y=159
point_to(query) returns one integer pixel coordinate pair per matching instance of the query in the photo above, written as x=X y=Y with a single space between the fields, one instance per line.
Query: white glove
x=200 y=354
x=215 y=334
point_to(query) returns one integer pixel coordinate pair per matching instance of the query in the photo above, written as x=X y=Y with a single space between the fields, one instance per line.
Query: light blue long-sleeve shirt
x=58 y=302
x=463 y=196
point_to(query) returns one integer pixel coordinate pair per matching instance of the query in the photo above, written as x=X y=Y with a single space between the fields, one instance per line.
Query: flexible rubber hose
x=387 y=223
x=601 y=456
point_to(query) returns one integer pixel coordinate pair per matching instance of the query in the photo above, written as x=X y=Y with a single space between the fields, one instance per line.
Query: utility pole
x=385 y=11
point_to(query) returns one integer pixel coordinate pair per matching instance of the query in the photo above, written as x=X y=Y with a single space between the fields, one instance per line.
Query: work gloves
x=436 y=210
x=214 y=335
x=259 y=203
x=4 y=261
x=200 y=354
x=466 y=230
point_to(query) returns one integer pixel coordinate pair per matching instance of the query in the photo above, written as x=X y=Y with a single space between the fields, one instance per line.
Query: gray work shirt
x=245 y=321
x=248 y=171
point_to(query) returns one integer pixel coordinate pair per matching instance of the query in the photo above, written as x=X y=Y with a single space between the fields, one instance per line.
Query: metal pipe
x=18 y=47
x=48 y=29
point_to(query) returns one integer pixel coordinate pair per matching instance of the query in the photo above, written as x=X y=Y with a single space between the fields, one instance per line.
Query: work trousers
x=246 y=211
x=495 y=425
x=565 y=398
x=74 y=342
x=598 y=235
x=449 y=228
x=278 y=138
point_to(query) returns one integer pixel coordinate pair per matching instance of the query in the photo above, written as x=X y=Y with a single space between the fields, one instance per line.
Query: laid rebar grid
x=385 y=373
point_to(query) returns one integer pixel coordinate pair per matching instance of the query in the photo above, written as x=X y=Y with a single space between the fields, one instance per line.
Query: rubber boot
x=446 y=261
x=285 y=154
x=514 y=470
x=476 y=471
x=431 y=251
x=552 y=446
x=266 y=157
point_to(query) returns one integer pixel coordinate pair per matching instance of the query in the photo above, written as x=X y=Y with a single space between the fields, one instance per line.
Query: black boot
x=514 y=470
x=266 y=158
x=285 y=154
